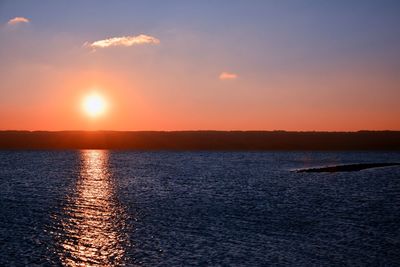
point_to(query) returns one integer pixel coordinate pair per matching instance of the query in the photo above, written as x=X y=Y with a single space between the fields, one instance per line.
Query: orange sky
x=186 y=73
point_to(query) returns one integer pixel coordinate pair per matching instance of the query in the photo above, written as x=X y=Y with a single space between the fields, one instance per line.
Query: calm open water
x=113 y=208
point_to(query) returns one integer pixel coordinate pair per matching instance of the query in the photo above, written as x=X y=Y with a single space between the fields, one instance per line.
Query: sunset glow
x=269 y=65
x=94 y=105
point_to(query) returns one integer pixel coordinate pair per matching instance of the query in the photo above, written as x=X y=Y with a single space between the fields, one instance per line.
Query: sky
x=297 y=65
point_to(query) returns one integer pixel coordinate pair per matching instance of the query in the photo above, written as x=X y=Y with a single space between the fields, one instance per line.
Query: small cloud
x=123 y=41
x=228 y=76
x=18 y=20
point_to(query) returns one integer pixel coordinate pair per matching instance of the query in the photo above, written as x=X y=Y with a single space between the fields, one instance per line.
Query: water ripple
x=92 y=229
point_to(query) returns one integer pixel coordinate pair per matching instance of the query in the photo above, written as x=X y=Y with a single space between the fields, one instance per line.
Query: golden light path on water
x=94 y=223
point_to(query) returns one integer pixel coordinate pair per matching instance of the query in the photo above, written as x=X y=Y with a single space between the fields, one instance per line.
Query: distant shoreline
x=202 y=140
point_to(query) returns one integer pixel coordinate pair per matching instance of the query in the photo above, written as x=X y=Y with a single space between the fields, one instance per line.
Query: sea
x=163 y=208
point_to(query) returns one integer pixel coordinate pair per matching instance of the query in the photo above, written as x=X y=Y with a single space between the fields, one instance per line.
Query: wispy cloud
x=123 y=41
x=18 y=20
x=228 y=76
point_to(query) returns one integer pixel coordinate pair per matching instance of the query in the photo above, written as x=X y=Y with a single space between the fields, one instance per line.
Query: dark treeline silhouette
x=201 y=140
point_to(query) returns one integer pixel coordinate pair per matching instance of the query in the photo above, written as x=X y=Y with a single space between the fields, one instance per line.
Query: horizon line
x=209 y=130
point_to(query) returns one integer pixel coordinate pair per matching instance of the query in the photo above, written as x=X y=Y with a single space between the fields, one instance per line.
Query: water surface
x=114 y=208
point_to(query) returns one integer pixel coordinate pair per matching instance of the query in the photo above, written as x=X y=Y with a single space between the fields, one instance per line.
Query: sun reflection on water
x=94 y=223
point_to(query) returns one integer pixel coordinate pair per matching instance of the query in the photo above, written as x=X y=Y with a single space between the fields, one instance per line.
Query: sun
x=94 y=105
